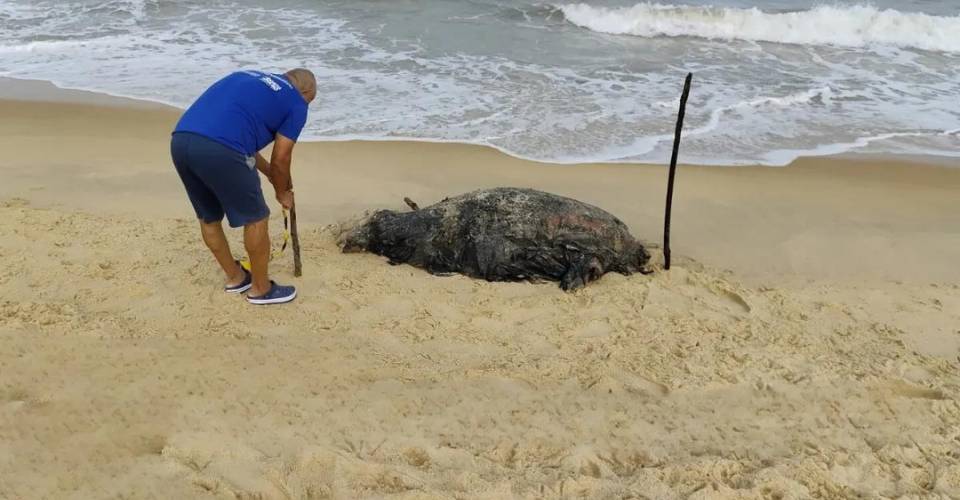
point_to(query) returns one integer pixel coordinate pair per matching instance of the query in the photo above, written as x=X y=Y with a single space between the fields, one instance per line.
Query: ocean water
x=561 y=82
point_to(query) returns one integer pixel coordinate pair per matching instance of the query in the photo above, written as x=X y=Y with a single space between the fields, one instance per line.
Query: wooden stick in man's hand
x=295 y=236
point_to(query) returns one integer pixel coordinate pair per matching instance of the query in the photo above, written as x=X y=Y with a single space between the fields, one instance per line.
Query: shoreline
x=817 y=219
x=33 y=90
x=24 y=89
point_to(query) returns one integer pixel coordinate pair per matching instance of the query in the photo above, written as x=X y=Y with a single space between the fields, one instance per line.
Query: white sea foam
x=783 y=157
x=849 y=26
x=804 y=97
x=647 y=144
x=61 y=46
x=573 y=103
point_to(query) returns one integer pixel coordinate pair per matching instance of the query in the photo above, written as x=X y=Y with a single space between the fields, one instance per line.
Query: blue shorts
x=218 y=180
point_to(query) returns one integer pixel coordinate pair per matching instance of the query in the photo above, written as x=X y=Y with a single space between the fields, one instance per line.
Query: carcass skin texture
x=504 y=234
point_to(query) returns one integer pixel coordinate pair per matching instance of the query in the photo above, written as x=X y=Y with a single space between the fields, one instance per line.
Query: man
x=215 y=150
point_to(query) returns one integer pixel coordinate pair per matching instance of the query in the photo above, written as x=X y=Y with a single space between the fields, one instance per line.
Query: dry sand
x=806 y=344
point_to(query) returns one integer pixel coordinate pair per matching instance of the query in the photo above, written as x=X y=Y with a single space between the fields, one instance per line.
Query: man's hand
x=286 y=199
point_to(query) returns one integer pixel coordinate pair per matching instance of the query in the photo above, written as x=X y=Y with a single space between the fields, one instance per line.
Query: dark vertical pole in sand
x=673 y=171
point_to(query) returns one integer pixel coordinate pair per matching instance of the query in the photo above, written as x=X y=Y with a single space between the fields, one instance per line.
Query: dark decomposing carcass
x=503 y=234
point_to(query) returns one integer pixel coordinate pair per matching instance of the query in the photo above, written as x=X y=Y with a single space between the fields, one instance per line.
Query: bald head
x=304 y=81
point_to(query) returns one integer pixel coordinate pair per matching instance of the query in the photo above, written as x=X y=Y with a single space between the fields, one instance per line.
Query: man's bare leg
x=217 y=243
x=257 y=241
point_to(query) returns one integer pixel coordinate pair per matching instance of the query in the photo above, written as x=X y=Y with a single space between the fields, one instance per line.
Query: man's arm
x=280 y=160
x=263 y=166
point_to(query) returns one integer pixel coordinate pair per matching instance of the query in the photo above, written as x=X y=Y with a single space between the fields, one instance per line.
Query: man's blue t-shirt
x=245 y=110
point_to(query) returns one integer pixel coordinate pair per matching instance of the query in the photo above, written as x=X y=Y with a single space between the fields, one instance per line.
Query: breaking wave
x=848 y=26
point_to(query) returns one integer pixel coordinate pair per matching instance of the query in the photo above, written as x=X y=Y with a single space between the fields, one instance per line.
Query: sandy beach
x=805 y=344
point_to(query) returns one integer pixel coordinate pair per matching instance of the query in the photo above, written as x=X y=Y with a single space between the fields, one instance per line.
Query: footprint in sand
x=736 y=299
x=903 y=389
